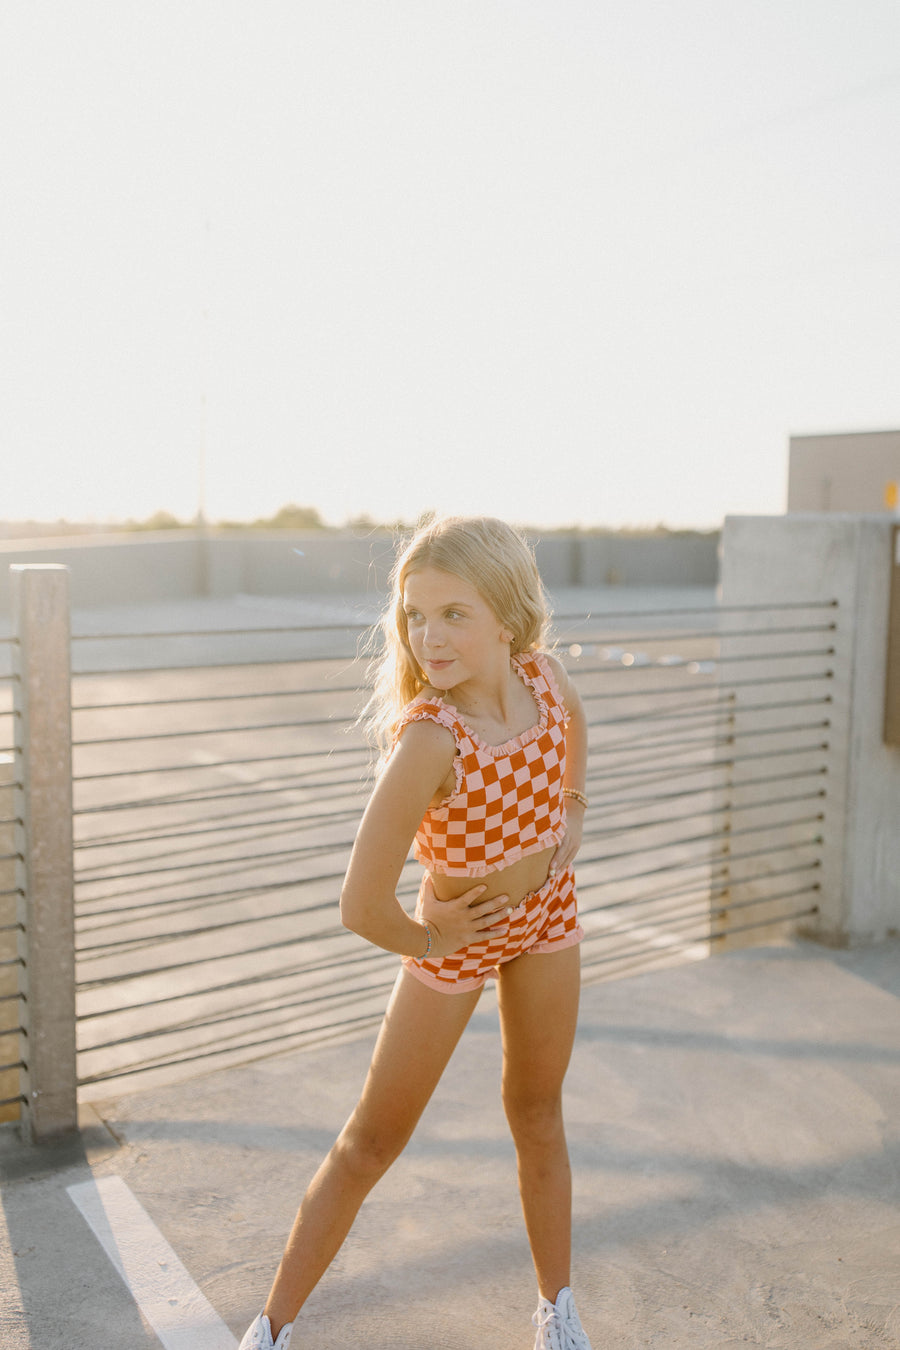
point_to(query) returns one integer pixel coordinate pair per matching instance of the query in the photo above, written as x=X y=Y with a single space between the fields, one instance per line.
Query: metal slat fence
x=216 y=802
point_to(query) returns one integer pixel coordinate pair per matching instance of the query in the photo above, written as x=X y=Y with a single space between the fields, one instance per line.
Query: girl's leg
x=538 y=1011
x=420 y=1030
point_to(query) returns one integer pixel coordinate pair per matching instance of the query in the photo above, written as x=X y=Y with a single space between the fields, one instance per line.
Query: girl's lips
x=438 y=665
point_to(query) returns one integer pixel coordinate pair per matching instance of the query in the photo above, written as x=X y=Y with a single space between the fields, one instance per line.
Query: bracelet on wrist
x=577 y=796
x=427 y=926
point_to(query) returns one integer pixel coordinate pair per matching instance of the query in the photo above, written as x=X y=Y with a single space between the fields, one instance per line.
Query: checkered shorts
x=545 y=921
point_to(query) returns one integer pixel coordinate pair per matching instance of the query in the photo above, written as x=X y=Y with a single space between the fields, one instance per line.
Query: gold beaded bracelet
x=579 y=796
x=427 y=926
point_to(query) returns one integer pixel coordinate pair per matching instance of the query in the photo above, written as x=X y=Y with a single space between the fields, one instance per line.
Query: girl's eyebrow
x=448 y=604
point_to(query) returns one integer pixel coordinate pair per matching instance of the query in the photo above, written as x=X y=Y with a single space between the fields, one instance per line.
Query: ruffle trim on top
x=534 y=681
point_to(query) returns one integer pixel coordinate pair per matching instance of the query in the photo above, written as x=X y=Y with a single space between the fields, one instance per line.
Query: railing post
x=43 y=701
x=10 y=1054
x=845 y=559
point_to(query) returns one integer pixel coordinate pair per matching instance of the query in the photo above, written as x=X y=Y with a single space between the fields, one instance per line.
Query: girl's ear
x=506 y=635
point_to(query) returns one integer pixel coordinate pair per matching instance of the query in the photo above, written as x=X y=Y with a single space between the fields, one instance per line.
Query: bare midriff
x=517 y=880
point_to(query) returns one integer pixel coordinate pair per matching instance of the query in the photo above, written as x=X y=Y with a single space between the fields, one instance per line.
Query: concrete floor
x=734 y=1127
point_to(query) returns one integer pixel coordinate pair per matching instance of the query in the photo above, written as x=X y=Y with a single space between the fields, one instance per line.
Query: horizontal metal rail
x=626 y=803
x=708 y=837
x=725 y=808
x=638 y=952
x=722 y=707
x=215 y=698
x=196 y=634
x=776 y=607
x=337 y=1028
x=252 y=663
x=706 y=861
x=339 y=997
x=337 y=967
x=656 y=692
x=289 y=783
x=682 y=635
x=210 y=731
x=785 y=607
x=118 y=840
x=681 y=918
x=688 y=663
x=210 y=959
x=729 y=762
x=217 y=764
x=279 y=854
x=638 y=746
x=715 y=890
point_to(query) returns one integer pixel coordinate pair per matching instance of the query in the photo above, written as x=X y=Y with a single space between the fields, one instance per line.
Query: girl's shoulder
x=428 y=706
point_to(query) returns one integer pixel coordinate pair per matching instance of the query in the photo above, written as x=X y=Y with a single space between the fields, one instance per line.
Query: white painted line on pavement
x=181 y=1316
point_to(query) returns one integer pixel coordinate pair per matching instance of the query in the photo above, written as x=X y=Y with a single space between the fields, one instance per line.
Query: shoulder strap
x=431 y=711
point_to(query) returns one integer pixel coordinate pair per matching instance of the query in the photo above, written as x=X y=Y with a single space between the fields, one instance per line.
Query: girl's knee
x=369 y=1151
x=534 y=1118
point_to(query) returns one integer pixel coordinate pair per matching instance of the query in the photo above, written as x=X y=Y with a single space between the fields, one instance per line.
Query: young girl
x=484 y=774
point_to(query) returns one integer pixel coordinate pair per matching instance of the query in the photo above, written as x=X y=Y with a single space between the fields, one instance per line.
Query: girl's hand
x=570 y=843
x=458 y=923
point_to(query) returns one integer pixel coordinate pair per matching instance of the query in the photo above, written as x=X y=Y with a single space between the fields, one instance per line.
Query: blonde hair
x=489 y=555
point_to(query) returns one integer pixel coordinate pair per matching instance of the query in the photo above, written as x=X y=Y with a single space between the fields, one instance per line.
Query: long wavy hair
x=489 y=555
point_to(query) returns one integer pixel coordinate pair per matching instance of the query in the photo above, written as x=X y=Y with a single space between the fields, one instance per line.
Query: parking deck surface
x=734 y=1127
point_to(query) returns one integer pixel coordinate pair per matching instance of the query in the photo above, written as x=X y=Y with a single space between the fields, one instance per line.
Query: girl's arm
x=413 y=776
x=576 y=765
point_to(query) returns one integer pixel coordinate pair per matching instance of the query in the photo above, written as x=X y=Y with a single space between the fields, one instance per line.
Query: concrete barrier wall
x=846 y=558
x=10 y=1087
x=114 y=569
x=131 y=568
x=654 y=560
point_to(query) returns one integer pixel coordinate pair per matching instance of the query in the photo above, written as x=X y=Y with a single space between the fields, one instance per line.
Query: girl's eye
x=453 y=614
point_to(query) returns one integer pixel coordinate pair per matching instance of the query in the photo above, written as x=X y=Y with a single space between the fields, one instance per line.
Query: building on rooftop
x=850 y=471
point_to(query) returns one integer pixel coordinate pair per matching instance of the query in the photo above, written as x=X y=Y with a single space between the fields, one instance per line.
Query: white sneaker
x=259 y=1336
x=558 y=1327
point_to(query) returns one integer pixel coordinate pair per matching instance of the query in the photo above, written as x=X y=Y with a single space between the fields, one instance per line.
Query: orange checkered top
x=508 y=800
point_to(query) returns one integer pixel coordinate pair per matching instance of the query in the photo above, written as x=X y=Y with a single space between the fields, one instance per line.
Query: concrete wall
x=847 y=558
x=651 y=560
x=843 y=472
x=130 y=568
x=9 y=944
x=113 y=569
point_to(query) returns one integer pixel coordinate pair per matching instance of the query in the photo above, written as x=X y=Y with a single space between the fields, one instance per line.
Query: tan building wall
x=847 y=472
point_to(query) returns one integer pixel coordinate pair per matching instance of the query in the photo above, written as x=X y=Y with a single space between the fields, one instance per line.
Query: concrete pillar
x=10 y=1086
x=41 y=616
x=847 y=558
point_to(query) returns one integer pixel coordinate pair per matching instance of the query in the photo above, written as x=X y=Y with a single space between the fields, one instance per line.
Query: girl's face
x=453 y=632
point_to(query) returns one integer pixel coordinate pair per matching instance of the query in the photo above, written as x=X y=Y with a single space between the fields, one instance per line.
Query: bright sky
x=565 y=261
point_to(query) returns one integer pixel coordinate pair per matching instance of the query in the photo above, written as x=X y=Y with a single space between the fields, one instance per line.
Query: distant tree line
x=293 y=517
